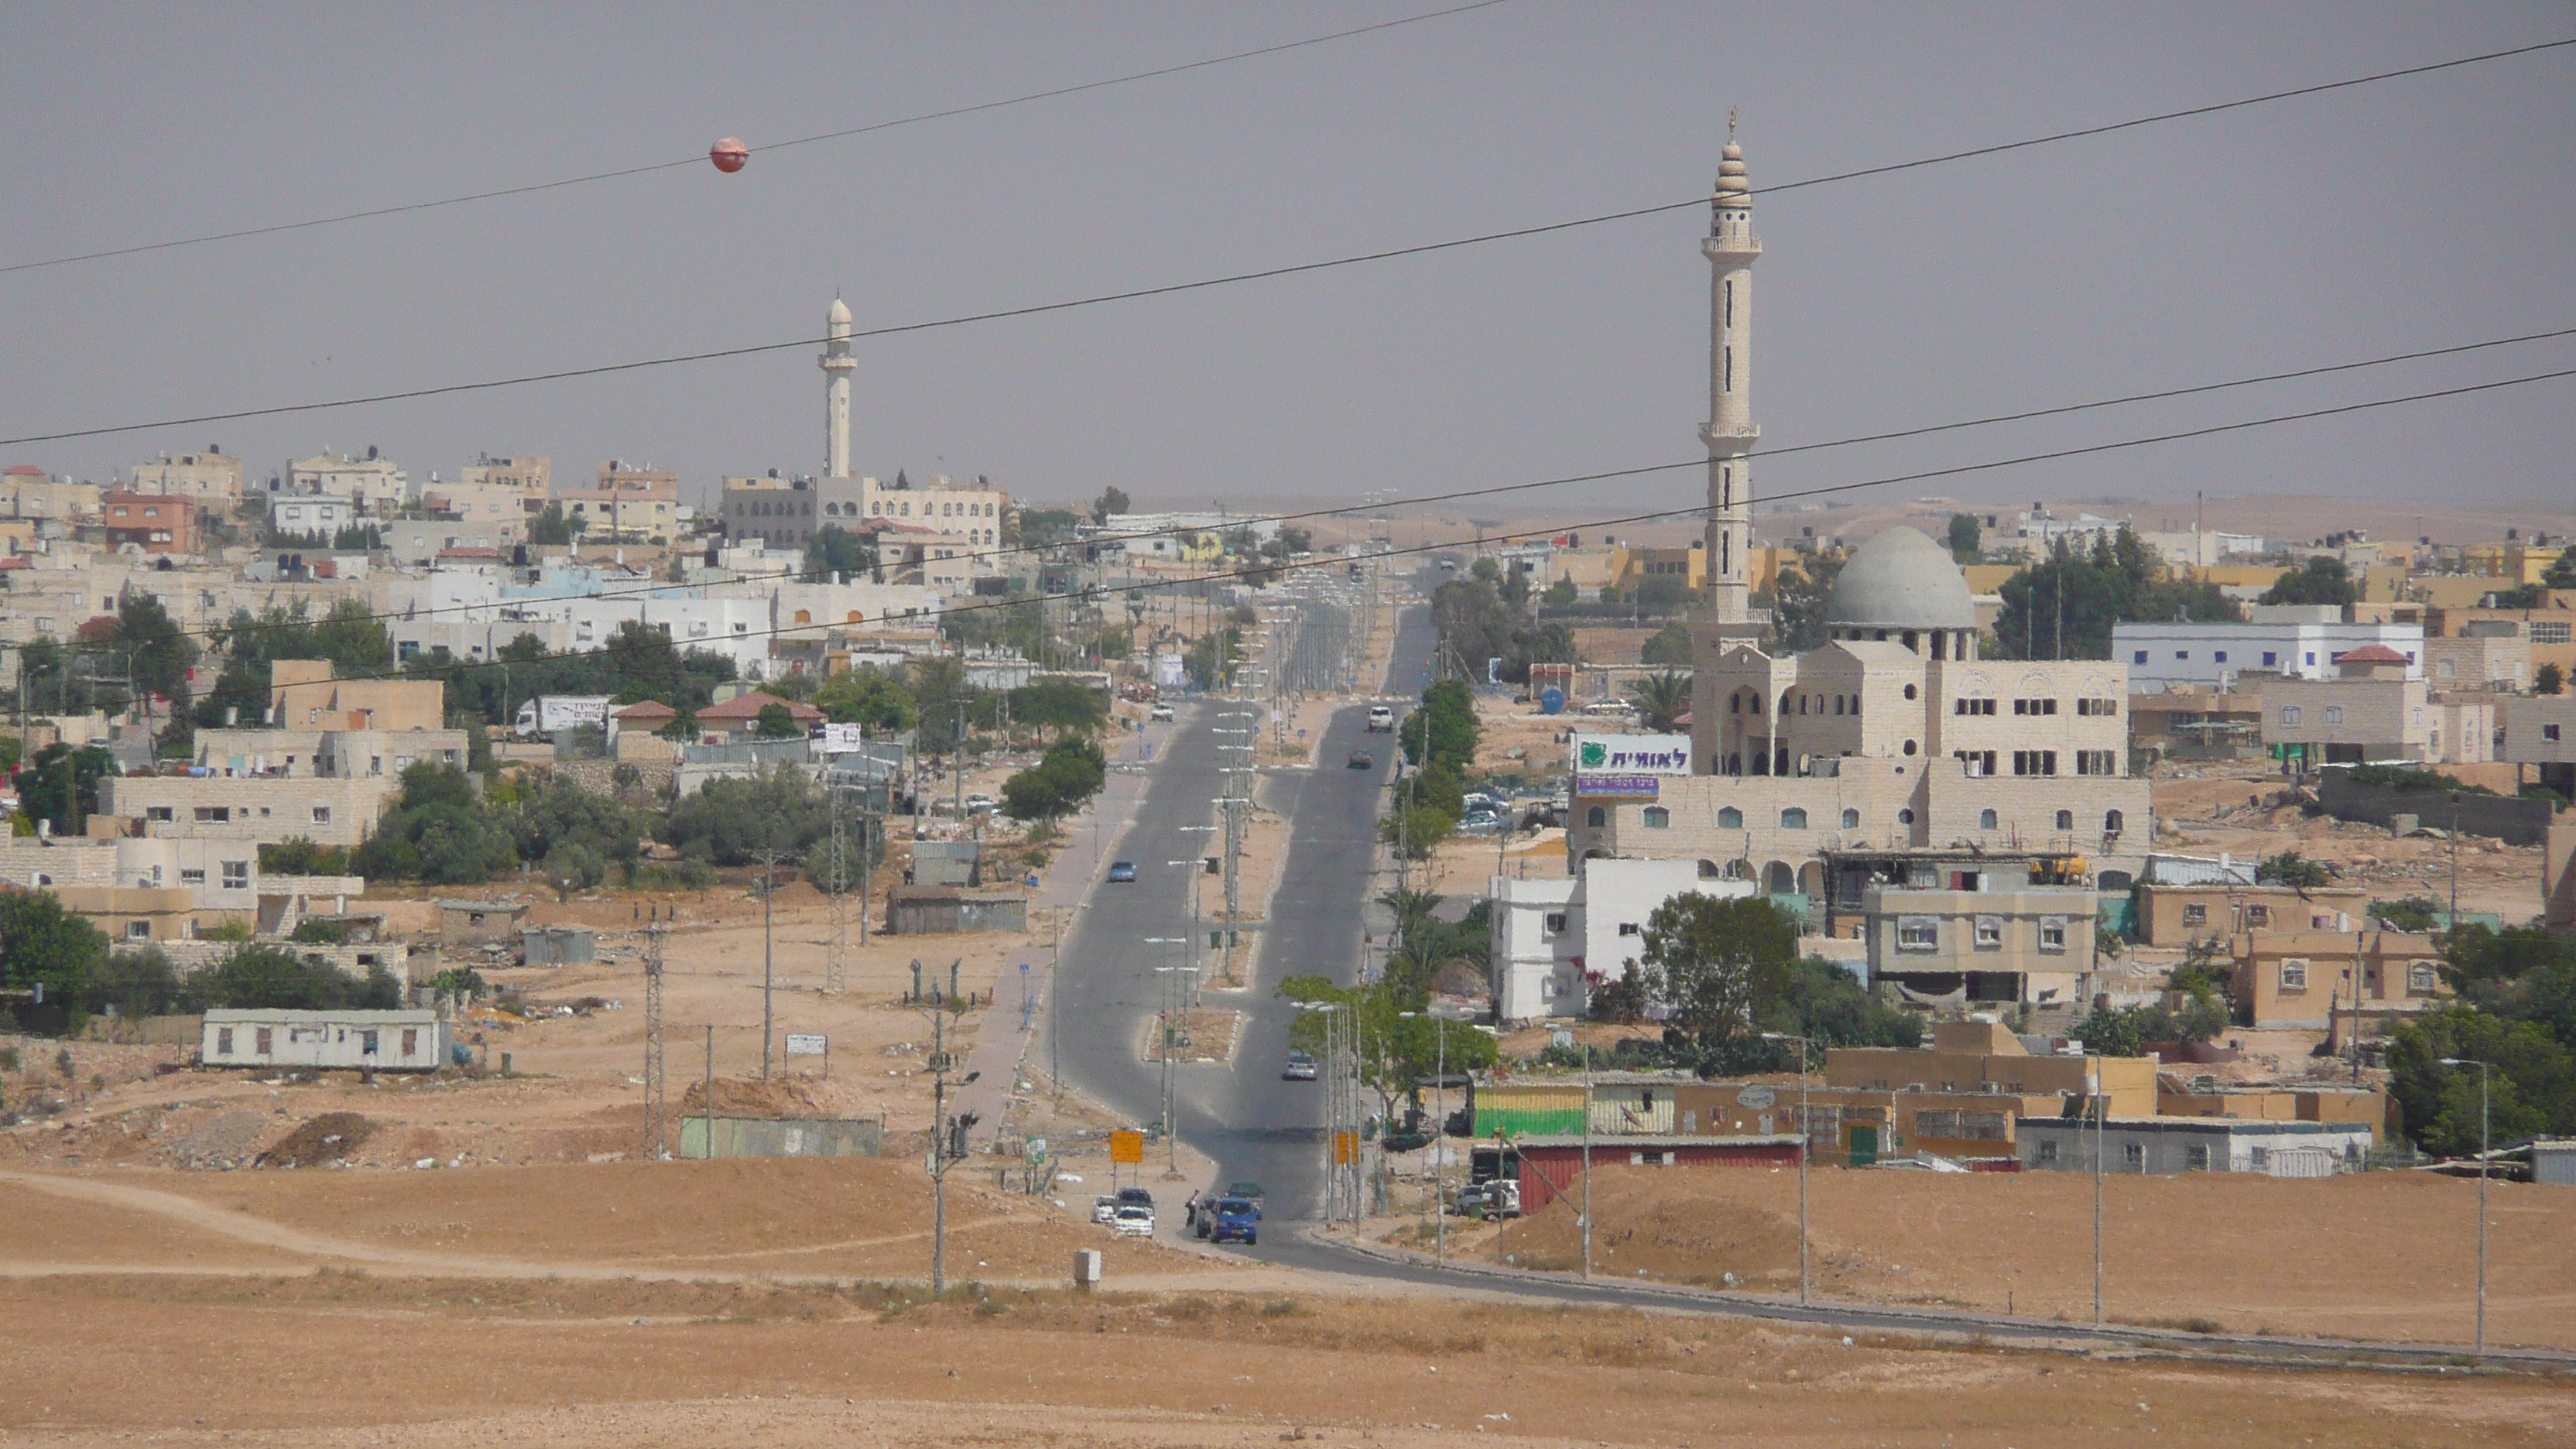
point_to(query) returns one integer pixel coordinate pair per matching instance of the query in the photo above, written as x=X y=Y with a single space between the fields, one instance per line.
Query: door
x=1864 y=1146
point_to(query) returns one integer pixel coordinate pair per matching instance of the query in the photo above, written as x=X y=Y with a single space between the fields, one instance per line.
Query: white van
x=1381 y=720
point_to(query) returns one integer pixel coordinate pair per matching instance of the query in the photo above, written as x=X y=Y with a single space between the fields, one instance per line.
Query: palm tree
x=1663 y=698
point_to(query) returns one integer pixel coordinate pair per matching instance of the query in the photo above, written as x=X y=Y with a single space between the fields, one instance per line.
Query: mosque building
x=1892 y=737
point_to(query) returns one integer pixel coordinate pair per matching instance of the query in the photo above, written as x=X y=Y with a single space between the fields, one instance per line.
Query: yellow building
x=1688 y=565
x=303 y=695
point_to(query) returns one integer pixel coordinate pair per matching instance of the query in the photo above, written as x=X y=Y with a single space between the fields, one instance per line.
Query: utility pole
x=1587 y=1160
x=947 y=1142
x=2101 y=1121
x=707 y=1101
x=834 y=978
x=768 y=952
x=2486 y=1168
x=656 y=1108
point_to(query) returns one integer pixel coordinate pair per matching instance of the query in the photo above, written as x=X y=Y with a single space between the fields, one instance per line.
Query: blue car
x=1122 y=872
x=1232 y=1219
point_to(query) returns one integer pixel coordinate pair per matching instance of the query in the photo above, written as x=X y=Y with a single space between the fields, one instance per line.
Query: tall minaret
x=1730 y=434
x=837 y=363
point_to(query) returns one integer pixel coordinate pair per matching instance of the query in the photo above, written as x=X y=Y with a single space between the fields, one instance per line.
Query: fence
x=2501 y=817
x=784 y=1137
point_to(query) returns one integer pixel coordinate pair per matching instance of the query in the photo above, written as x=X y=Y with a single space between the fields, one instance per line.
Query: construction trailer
x=363 y=1041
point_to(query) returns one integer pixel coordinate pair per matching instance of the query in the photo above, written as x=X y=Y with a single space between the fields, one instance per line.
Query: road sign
x=801 y=1045
x=1037 y=1149
x=1127 y=1146
x=1346 y=1148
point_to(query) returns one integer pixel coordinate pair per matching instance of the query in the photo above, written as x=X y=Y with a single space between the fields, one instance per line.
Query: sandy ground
x=2389 y=1255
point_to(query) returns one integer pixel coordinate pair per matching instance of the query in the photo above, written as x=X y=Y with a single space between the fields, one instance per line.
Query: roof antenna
x=1730 y=123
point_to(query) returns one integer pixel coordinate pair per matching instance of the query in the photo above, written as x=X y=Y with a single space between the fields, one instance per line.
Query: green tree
x=2548 y=679
x=439 y=832
x=2411 y=913
x=2532 y=1079
x=1398 y=1042
x=2067 y=605
x=1559 y=594
x=866 y=696
x=274 y=978
x=161 y=653
x=1671 y=648
x=550 y=527
x=836 y=550
x=776 y=722
x=1662 y=699
x=567 y=816
x=1967 y=541
x=1416 y=830
x=298 y=855
x=1111 y=502
x=41 y=944
x=2562 y=571
x=2320 y=580
x=1827 y=1004
x=61 y=784
x=1445 y=729
x=732 y=822
x=1072 y=771
x=1059 y=704
x=1806 y=583
x=136 y=983
x=2290 y=868
x=1721 y=966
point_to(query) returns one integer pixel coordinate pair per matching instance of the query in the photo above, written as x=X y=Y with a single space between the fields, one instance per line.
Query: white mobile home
x=380 y=1041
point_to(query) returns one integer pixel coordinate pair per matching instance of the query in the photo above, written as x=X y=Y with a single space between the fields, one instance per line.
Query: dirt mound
x=1642 y=1223
x=327 y=1138
x=223 y=1140
x=744 y=1097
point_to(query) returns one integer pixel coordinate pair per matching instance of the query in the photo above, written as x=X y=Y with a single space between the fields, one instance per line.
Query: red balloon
x=729 y=154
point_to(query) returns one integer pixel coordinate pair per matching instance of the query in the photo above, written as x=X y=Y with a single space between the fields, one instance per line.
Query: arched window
x=1735 y=704
x=1909 y=747
x=2289 y=714
x=1851 y=819
x=1985 y=820
x=2065 y=819
x=2113 y=822
x=1658 y=818
x=804 y=616
x=1708 y=871
x=1730 y=818
x=1793 y=818
x=1909 y=691
x=1596 y=817
x=1905 y=816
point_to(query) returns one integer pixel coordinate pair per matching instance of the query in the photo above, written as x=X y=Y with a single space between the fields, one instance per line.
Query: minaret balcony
x=1712 y=434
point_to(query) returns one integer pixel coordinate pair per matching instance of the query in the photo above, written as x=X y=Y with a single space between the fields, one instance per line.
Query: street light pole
x=1587 y=1160
x=2485 y=1146
x=1806 y=1148
x=2101 y=1106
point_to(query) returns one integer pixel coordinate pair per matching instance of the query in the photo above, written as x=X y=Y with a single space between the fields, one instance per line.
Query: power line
x=700 y=159
x=1268 y=571
x=1234 y=278
x=232 y=631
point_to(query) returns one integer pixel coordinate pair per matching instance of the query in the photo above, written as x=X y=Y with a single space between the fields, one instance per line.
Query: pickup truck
x=1381 y=720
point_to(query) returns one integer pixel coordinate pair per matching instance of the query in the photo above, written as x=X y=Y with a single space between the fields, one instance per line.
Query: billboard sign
x=800 y=1044
x=1632 y=754
x=1126 y=1147
x=839 y=739
x=1635 y=787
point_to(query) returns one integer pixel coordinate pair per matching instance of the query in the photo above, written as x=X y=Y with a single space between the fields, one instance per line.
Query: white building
x=381 y=1041
x=310 y=513
x=373 y=483
x=2302 y=641
x=1552 y=937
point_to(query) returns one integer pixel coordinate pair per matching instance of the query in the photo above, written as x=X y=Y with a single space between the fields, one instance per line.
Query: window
x=2134 y=1154
x=260 y=1041
x=1917 y=933
x=2258 y=915
x=1851 y=820
x=2334 y=714
x=2552 y=631
x=2421 y=979
x=1979 y=763
x=2220 y=656
x=1658 y=818
x=2549 y=732
x=1627 y=928
x=1990 y=933
x=1793 y=818
x=1553 y=923
x=1730 y=818
x=2261 y=1158
x=157 y=812
x=2113 y=822
x=1987 y=820
x=2096 y=762
x=2048 y=1150
x=236 y=875
x=1596 y=817
x=223 y=1041
x=138 y=930
x=2097 y=708
x=2183 y=654
x=2065 y=819
x=2052 y=933
x=2139 y=657
x=1972 y=706
x=2294 y=974
x=2034 y=706
x=322 y=813
x=1905 y=816
x=2034 y=762
x=191 y=877
x=2195 y=914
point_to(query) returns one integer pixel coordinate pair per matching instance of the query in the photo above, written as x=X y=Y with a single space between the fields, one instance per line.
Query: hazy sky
x=2415 y=213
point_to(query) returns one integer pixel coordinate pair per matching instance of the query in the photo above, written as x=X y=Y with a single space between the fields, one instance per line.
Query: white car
x=1104 y=1209
x=1160 y=714
x=1133 y=1222
x=1381 y=720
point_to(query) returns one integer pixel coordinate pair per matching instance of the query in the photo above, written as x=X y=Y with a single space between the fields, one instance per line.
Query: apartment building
x=304 y=695
x=2309 y=979
x=372 y=484
x=2178 y=915
x=146 y=523
x=28 y=492
x=260 y=810
x=2034 y=946
x=2296 y=640
x=1552 y=938
x=2377 y=708
x=211 y=479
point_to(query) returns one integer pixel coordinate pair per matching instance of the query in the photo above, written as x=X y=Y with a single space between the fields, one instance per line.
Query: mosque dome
x=840 y=312
x=1900 y=579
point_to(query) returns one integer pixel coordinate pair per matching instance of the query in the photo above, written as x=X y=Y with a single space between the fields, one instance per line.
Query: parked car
x=1248 y=1190
x=1480 y=822
x=1122 y=872
x=1362 y=760
x=1232 y=1219
x=1135 y=1197
x=1133 y=1222
x=1160 y=714
x=1300 y=1068
x=1381 y=720
x=1496 y=1198
x=1104 y=1209
x=981 y=804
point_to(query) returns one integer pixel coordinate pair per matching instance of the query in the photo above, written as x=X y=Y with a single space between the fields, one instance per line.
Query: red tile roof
x=749 y=706
x=2371 y=654
x=646 y=709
